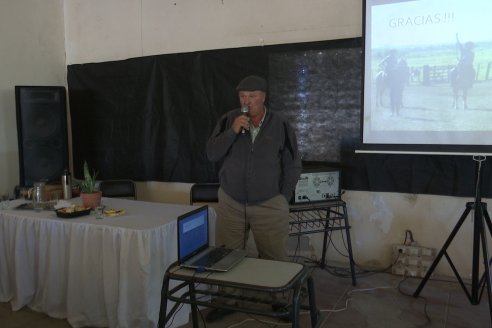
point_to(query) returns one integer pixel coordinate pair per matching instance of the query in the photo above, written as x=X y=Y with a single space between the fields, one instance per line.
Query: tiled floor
x=379 y=300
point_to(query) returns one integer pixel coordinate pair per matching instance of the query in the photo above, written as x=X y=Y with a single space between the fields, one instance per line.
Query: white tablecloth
x=101 y=273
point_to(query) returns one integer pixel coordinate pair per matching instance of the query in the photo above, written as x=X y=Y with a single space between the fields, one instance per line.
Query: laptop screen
x=192 y=233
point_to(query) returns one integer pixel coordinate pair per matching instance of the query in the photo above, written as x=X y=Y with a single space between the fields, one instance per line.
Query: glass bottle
x=38 y=196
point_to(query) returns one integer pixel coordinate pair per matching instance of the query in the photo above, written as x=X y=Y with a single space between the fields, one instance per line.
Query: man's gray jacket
x=254 y=172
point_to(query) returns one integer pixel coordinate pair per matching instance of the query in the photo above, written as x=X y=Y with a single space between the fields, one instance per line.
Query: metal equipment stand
x=481 y=217
x=323 y=217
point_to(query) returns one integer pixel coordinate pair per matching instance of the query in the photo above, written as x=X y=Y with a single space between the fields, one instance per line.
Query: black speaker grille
x=42 y=133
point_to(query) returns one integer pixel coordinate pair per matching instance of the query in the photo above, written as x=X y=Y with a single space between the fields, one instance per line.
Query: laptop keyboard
x=212 y=257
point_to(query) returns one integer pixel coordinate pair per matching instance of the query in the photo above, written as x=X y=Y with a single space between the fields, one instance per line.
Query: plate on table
x=72 y=212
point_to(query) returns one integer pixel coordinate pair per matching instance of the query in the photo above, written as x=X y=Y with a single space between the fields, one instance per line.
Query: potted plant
x=91 y=197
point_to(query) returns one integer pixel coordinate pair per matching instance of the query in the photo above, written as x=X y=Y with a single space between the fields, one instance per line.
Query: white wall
x=119 y=29
x=32 y=53
x=379 y=221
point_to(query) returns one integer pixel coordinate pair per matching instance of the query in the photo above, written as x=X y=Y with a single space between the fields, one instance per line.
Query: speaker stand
x=481 y=217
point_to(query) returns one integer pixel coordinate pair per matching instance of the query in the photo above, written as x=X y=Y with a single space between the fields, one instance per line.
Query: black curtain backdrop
x=149 y=118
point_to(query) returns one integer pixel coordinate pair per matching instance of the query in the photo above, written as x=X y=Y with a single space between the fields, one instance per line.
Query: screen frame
x=407 y=148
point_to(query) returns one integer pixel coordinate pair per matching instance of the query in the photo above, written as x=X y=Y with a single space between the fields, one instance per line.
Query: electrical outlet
x=413 y=261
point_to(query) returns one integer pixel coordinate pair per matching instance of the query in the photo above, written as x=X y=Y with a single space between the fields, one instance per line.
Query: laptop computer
x=194 y=250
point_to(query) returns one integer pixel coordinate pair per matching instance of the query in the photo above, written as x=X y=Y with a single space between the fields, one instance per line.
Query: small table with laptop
x=192 y=280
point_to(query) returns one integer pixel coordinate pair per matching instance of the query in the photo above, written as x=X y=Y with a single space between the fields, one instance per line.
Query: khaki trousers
x=269 y=222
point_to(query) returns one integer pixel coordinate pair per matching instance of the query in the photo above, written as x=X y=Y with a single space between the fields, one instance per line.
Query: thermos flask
x=67 y=185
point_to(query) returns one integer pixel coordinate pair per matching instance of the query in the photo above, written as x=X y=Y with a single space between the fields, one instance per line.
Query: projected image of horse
x=462 y=75
x=381 y=80
x=397 y=81
x=393 y=76
x=461 y=79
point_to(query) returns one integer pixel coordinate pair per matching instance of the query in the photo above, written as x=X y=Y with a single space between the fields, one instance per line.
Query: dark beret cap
x=252 y=83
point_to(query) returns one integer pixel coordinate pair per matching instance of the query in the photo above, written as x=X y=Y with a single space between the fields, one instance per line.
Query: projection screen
x=427 y=76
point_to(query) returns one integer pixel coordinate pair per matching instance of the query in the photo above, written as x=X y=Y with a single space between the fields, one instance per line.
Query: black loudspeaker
x=42 y=133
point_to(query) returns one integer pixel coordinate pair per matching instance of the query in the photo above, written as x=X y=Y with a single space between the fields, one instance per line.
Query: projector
x=317 y=184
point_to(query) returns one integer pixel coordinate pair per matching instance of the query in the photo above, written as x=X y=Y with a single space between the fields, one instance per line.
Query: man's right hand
x=240 y=122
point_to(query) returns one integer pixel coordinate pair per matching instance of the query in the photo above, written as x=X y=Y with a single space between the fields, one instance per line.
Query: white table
x=101 y=273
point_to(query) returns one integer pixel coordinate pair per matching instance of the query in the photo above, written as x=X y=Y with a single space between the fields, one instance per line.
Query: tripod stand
x=481 y=217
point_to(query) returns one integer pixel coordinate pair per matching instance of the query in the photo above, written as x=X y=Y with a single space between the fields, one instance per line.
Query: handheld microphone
x=244 y=112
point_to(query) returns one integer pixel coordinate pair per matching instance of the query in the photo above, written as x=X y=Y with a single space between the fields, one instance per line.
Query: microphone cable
x=246 y=230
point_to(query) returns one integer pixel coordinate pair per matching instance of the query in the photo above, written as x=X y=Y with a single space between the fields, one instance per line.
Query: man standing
x=261 y=167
